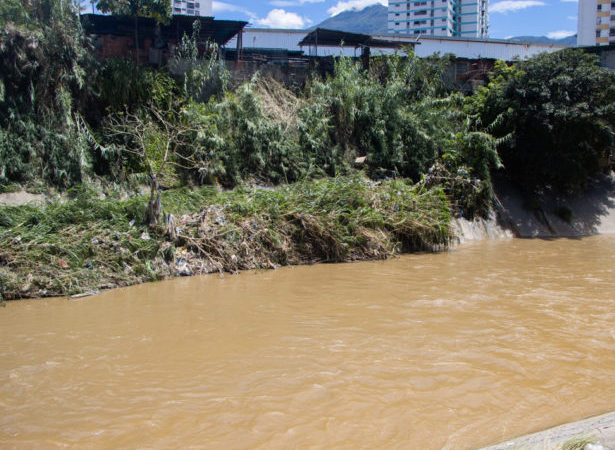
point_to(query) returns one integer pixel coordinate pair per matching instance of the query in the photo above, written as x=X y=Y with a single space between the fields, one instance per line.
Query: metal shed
x=218 y=31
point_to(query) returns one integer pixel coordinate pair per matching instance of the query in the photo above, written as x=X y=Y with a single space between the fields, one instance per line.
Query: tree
x=154 y=138
x=554 y=115
x=160 y=10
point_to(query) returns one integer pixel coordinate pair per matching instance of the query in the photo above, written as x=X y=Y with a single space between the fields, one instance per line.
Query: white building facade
x=192 y=8
x=448 y=18
x=596 y=24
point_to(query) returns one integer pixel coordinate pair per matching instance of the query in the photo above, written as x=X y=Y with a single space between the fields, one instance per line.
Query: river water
x=455 y=350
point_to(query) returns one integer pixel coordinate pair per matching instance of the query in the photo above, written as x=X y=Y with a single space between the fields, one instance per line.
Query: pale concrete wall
x=462 y=48
x=592 y=211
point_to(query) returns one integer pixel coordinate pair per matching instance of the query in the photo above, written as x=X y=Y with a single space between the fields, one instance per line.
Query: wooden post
x=239 y=55
x=365 y=55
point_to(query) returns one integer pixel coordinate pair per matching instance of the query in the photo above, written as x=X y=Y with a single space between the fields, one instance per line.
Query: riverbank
x=597 y=431
x=547 y=215
x=87 y=244
x=82 y=243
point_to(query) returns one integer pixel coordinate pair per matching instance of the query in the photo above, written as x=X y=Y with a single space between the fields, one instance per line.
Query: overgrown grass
x=329 y=220
x=81 y=245
x=88 y=244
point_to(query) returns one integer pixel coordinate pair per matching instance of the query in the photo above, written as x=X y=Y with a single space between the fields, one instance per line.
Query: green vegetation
x=86 y=243
x=157 y=9
x=43 y=86
x=359 y=164
x=554 y=117
x=404 y=125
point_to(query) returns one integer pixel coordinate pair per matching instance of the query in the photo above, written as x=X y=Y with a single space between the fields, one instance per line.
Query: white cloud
x=278 y=18
x=226 y=7
x=560 y=34
x=293 y=2
x=354 y=4
x=513 y=5
x=575 y=18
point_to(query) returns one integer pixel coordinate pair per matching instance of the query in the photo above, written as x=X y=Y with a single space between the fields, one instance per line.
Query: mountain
x=374 y=20
x=570 y=40
x=370 y=20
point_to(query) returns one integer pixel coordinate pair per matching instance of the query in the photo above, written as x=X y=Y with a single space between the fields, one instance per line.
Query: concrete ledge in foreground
x=600 y=429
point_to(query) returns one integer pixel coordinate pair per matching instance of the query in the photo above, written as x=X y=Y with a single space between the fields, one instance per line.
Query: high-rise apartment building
x=460 y=18
x=192 y=7
x=596 y=24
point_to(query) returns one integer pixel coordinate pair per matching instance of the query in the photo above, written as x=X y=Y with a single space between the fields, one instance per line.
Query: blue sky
x=553 y=18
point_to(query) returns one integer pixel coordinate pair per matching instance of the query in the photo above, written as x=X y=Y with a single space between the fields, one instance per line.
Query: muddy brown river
x=452 y=350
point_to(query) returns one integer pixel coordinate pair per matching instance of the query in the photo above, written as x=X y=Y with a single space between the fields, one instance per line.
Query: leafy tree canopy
x=34 y=14
x=554 y=115
x=156 y=9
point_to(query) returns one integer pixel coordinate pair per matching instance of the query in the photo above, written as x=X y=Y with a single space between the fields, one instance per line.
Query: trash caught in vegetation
x=328 y=220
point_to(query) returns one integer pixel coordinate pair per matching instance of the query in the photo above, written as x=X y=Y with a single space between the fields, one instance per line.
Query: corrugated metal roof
x=219 y=31
x=334 y=38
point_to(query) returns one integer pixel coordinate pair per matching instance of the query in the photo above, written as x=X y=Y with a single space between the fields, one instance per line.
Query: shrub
x=124 y=86
x=239 y=138
x=205 y=75
x=43 y=66
x=386 y=114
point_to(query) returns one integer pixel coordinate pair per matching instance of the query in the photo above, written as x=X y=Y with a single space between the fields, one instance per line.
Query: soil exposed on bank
x=87 y=244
